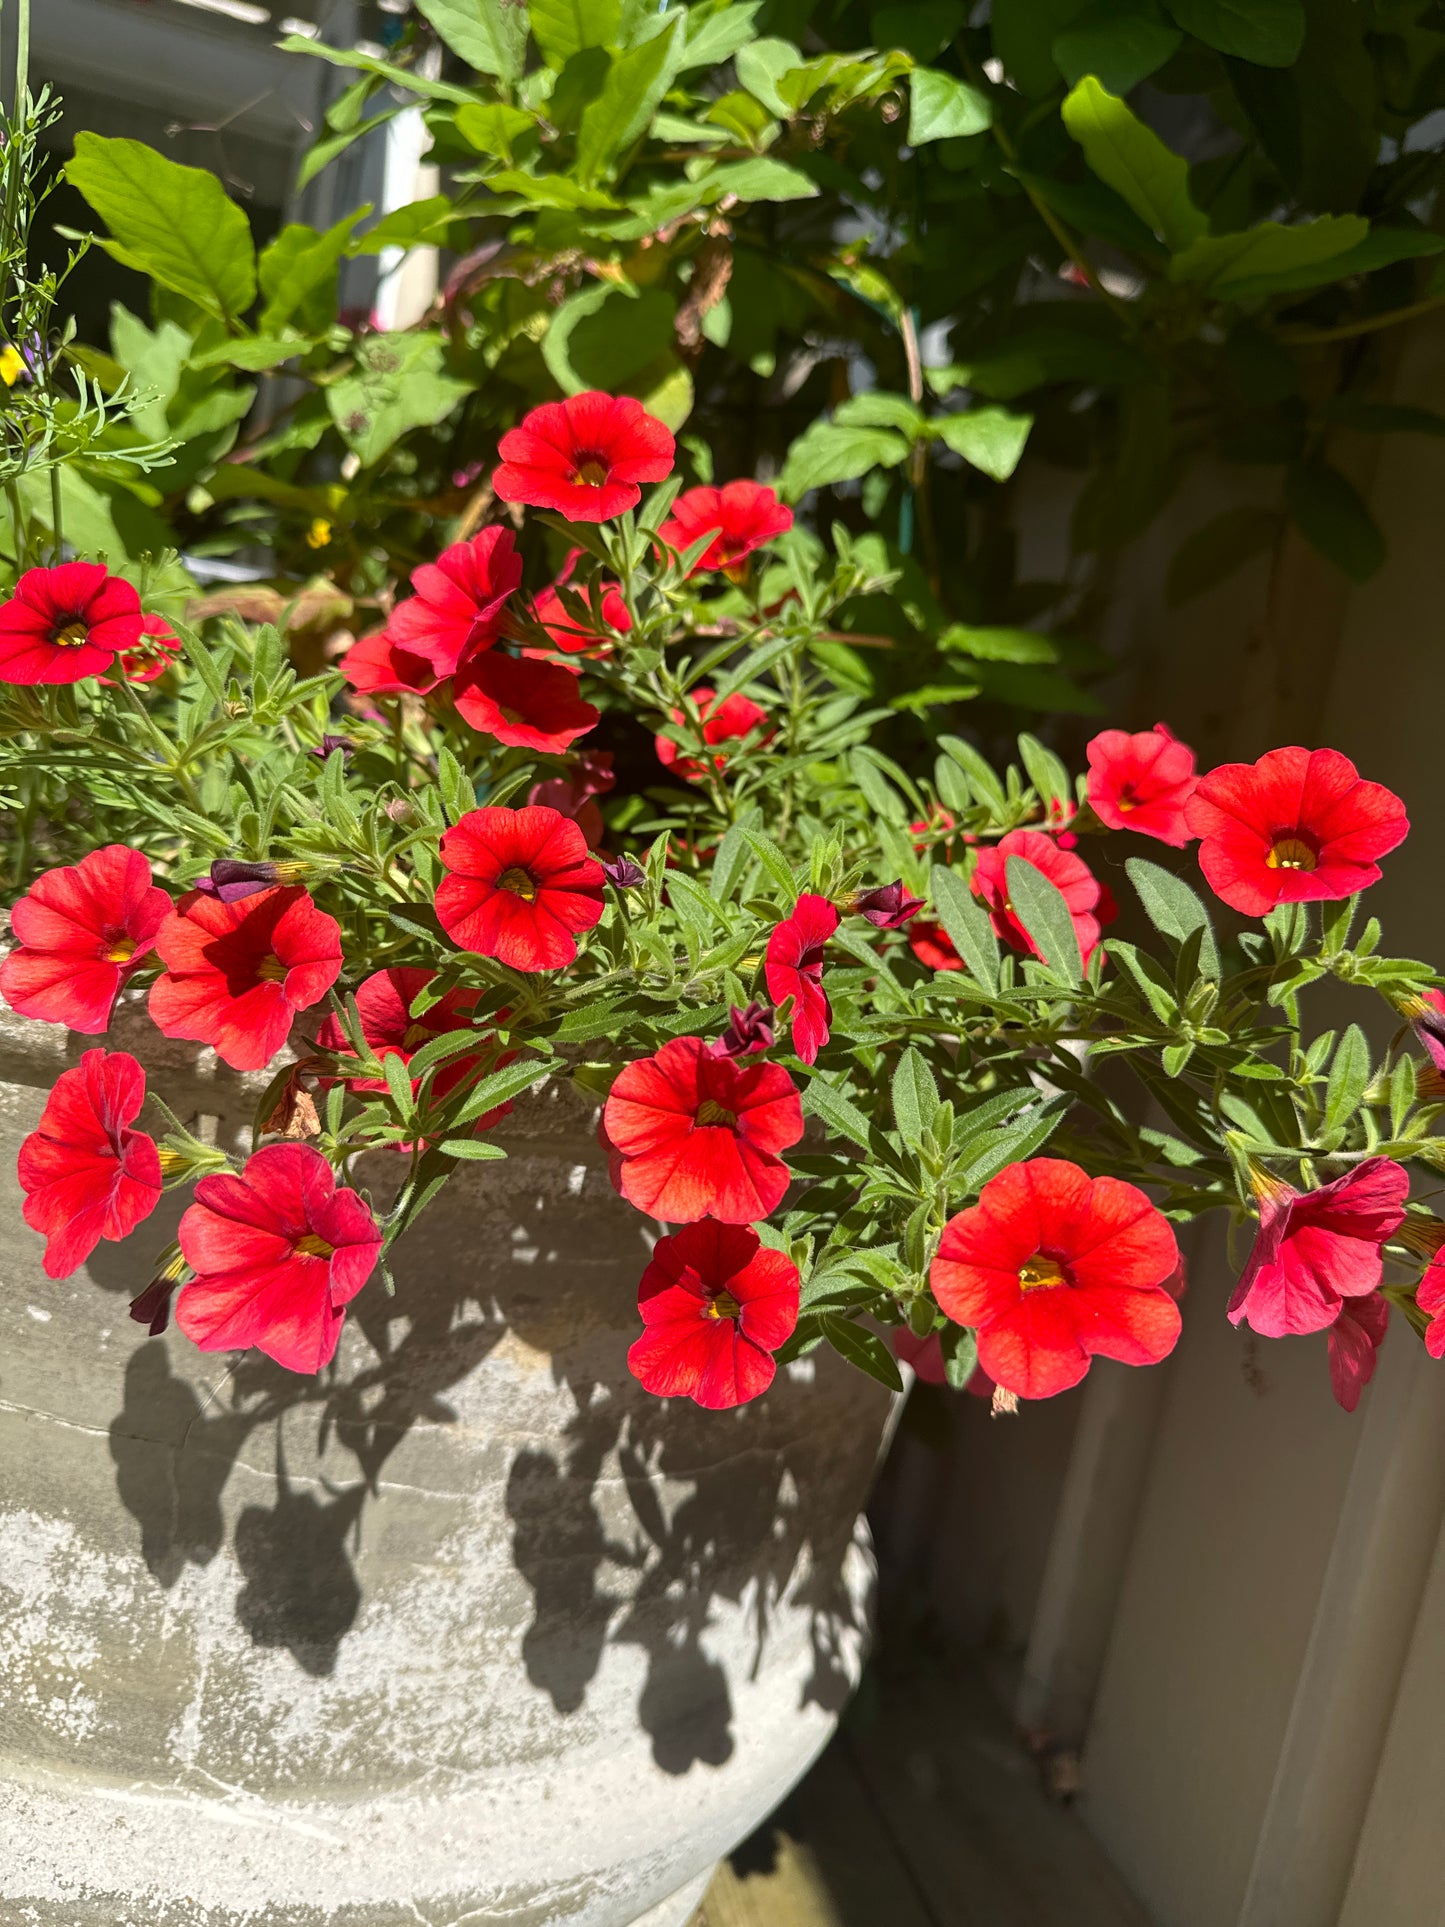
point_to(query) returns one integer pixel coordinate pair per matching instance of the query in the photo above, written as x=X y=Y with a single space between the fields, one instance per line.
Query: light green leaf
x=1040 y=907
x=490 y=126
x=397 y=384
x=418 y=224
x=990 y=439
x=862 y=1348
x=838 y=1112
x=718 y=36
x=825 y=454
x=490 y=35
x=1224 y=262
x=942 y=107
x=251 y=352
x=1349 y=1074
x=1269 y=33
x=967 y=924
x=601 y=337
x=959 y=1346
x=1381 y=248
x=1012 y=1143
x=408 y=77
x=1131 y=158
x=876 y=408
x=1173 y=908
x=761 y=66
x=635 y=84
x=324 y=151
x=998 y=645
x=562 y=28
x=762 y=179
x=549 y=190
x=915 y=1097
x=298 y=276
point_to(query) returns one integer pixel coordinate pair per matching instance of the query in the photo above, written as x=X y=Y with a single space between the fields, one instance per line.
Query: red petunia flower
x=888 y=907
x=383 y=1002
x=933 y=947
x=86 y=1174
x=527 y=705
x=523 y=887
x=794 y=968
x=1431 y=1298
x=457 y=609
x=717 y=1304
x=1142 y=782
x=732 y=719
x=745 y=515
x=584 y=457
x=153 y=655
x=700 y=1134
x=237 y=973
x=1355 y=1339
x=1055 y=1268
x=589 y=776
x=278 y=1252
x=1067 y=872
x=602 y=598
x=1315 y=1248
x=1298 y=826
x=81 y=931
x=66 y=624
x=379 y=666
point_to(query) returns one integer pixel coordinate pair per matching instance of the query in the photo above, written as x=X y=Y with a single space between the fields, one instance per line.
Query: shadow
x=300 y=1589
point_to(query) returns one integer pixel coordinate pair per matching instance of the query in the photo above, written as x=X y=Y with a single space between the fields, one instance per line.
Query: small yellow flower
x=319 y=533
x=12 y=365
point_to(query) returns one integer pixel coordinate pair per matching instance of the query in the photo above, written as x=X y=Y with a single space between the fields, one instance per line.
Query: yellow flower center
x=72 y=635
x=711 y=1112
x=1291 y=853
x=519 y=883
x=121 y=951
x=1041 y=1274
x=271 y=970
x=314 y=1247
x=724 y=1305
x=592 y=470
x=510 y=715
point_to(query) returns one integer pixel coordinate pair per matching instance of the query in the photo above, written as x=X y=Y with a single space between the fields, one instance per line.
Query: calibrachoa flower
x=748 y=1032
x=745 y=515
x=584 y=457
x=1427 y=1019
x=379 y=666
x=1142 y=782
x=523 y=886
x=237 y=973
x=383 y=1002
x=732 y=719
x=81 y=931
x=278 y=1252
x=1315 y=1248
x=86 y=1174
x=457 y=609
x=229 y=879
x=794 y=968
x=588 y=777
x=1298 y=826
x=1067 y=872
x=925 y=1355
x=1355 y=1339
x=623 y=872
x=1054 y=1268
x=717 y=1304
x=527 y=705
x=602 y=598
x=152 y=656
x=66 y=624
x=887 y=908
x=1431 y=1298
x=700 y=1135
x=933 y=947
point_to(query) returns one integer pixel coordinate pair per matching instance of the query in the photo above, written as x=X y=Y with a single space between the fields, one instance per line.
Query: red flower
x=278 y=1253
x=717 y=1304
x=1142 y=782
x=925 y=1355
x=602 y=598
x=1315 y=1248
x=730 y=720
x=1298 y=826
x=700 y=1134
x=383 y=1002
x=81 y=931
x=1055 y=1268
x=237 y=973
x=1067 y=872
x=745 y=515
x=85 y=1173
x=1427 y=1019
x=933 y=947
x=794 y=968
x=748 y=1032
x=152 y=656
x=523 y=886
x=379 y=666
x=66 y=624
x=888 y=907
x=457 y=608
x=584 y=457
x=1431 y=1298
x=589 y=776
x=1355 y=1339
x=528 y=705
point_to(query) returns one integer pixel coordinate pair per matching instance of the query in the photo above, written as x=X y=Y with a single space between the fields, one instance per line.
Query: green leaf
x=1349 y=1074
x=976 y=767
x=298 y=274
x=1269 y=33
x=762 y=179
x=490 y=35
x=1040 y=907
x=761 y=66
x=1173 y=908
x=1132 y=159
x=1120 y=42
x=324 y=151
x=1212 y=554
x=1224 y=262
x=967 y=924
x=177 y=224
x=825 y=454
x=915 y=1097
x=470 y=1149
x=775 y=863
x=634 y=86
x=922 y=28
x=942 y=108
x=959 y=1346
x=497 y=1089
x=1023 y=33
x=398 y=1084
x=1012 y=1143
x=865 y=1349
x=879 y=792
x=562 y=28
x=490 y=126
x=716 y=37
x=839 y=1113
x=398 y=383
x=998 y=645
x=880 y=409
x=990 y=439
x=1381 y=248
x=1331 y=515
x=251 y=352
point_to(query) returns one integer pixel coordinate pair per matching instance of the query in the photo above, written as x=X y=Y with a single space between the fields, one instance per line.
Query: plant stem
x=1348 y=330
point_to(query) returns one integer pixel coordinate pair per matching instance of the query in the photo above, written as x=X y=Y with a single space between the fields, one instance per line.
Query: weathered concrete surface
x=468 y=1630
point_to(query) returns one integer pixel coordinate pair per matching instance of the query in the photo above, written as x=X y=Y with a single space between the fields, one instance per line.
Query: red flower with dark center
x=1067 y=872
x=584 y=457
x=717 y=1304
x=237 y=973
x=744 y=514
x=1142 y=782
x=81 y=931
x=278 y=1252
x=457 y=609
x=66 y=624
x=887 y=908
x=933 y=947
x=603 y=599
x=383 y=1002
x=1298 y=826
x=86 y=1174
x=523 y=887
x=153 y=655
x=794 y=968
x=1054 y=1268
x=1316 y=1248
x=379 y=666
x=1355 y=1339
x=700 y=1134
x=734 y=718
x=589 y=776
x=527 y=705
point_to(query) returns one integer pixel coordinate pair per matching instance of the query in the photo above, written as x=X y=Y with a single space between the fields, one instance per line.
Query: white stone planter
x=470 y=1629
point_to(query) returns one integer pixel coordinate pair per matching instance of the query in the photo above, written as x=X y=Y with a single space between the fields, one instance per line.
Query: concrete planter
x=470 y=1629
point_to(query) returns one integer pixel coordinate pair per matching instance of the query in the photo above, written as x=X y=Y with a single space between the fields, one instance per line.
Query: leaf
x=1225 y=543
x=716 y=37
x=1381 y=248
x=177 y=224
x=1040 y=907
x=879 y=792
x=1268 y=32
x=942 y=107
x=762 y=179
x=470 y=1149
x=825 y=454
x=1023 y=33
x=990 y=439
x=1012 y=1143
x=959 y=1346
x=922 y=28
x=1349 y=1074
x=634 y=86
x=998 y=645
x=1173 y=908
x=1120 y=42
x=761 y=66
x=562 y=28
x=981 y=778
x=490 y=35
x=1330 y=514
x=865 y=1349
x=298 y=273
x=880 y=409
x=1132 y=159
x=775 y=863
x=324 y=151
x=915 y=1097
x=1223 y=262
x=839 y=1113
x=397 y=384
x=967 y=924
x=251 y=352
x=502 y=1085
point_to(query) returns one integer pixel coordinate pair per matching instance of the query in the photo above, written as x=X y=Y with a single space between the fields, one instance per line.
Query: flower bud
x=888 y=907
x=622 y=873
x=229 y=879
x=152 y=1307
x=330 y=743
x=748 y=1032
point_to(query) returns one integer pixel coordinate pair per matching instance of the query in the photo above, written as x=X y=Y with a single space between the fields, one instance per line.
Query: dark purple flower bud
x=623 y=873
x=330 y=743
x=1427 y=1020
x=230 y=880
x=888 y=908
x=152 y=1307
x=748 y=1032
